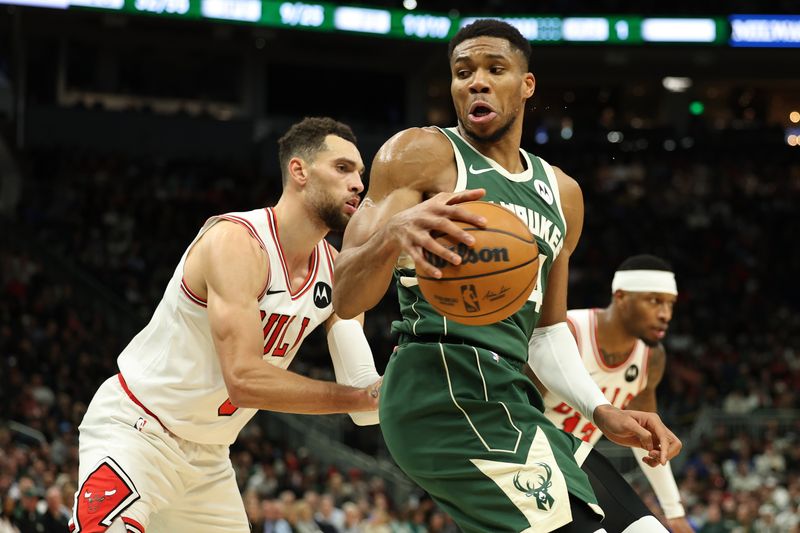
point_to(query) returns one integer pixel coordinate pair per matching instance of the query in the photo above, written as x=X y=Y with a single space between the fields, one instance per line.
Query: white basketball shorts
x=133 y=469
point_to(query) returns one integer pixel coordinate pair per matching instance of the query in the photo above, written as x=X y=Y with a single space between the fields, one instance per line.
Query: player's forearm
x=554 y=358
x=264 y=386
x=363 y=274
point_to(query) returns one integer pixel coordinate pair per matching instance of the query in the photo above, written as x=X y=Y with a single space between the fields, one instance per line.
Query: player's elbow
x=239 y=393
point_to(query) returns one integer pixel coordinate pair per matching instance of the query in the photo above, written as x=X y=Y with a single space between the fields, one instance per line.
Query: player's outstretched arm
x=552 y=351
x=393 y=219
x=234 y=269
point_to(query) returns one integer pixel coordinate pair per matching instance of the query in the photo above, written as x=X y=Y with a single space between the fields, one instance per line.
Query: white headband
x=644 y=281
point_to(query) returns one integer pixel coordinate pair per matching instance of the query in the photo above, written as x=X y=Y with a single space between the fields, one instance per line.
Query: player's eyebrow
x=489 y=55
x=351 y=163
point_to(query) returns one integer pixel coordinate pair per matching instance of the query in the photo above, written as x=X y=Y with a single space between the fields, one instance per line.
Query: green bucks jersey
x=533 y=196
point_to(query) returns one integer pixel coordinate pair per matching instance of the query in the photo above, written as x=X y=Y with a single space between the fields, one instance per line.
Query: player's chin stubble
x=332 y=216
x=498 y=134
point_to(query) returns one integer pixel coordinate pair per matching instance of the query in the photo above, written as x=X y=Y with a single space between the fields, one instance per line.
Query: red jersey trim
x=191 y=295
x=329 y=256
x=132 y=525
x=248 y=225
x=135 y=400
x=312 y=271
x=598 y=354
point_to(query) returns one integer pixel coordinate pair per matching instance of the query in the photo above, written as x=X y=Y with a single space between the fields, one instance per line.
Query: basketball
x=496 y=274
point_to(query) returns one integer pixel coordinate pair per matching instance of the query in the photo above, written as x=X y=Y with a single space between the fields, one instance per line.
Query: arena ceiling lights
x=736 y=30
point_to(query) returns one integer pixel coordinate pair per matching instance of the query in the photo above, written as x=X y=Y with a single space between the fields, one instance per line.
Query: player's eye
x=496 y=70
x=462 y=74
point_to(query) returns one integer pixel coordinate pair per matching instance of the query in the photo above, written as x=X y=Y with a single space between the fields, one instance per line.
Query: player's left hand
x=638 y=429
x=679 y=525
x=374 y=391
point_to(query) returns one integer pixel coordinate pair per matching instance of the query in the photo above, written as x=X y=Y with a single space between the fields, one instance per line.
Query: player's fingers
x=434 y=252
x=662 y=440
x=454 y=212
x=422 y=266
x=644 y=436
x=445 y=225
x=650 y=461
x=467 y=195
x=676 y=442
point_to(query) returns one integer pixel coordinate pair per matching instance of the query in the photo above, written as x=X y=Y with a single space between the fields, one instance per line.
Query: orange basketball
x=496 y=274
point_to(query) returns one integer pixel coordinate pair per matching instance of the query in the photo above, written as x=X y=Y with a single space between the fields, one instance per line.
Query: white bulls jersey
x=620 y=383
x=171 y=367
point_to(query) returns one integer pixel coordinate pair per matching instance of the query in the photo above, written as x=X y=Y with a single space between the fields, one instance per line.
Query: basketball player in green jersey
x=457 y=413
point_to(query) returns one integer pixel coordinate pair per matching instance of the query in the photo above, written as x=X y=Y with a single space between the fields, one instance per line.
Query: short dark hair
x=645 y=262
x=307 y=137
x=491 y=28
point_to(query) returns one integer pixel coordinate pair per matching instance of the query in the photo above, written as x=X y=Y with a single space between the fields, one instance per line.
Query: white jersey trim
x=525 y=175
x=551 y=175
x=461 y=169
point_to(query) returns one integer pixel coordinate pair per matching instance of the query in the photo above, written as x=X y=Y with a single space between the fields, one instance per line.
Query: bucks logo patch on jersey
x=541 y=491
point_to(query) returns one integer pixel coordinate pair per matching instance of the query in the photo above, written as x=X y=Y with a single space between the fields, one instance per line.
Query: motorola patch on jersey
x=631 y=373
x=544 y=191
x=322 y=295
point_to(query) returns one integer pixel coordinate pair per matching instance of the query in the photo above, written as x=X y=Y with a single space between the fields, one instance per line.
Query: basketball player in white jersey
x=621 y=348
x=154 y=443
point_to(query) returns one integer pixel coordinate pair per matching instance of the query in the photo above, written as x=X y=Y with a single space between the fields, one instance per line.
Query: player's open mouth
x=481 y=112
x=352 y=205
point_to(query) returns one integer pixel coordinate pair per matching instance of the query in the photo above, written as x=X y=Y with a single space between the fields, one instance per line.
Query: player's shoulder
x=427 y=137
x=228 y=236
x=568 y=185
x=418 y=158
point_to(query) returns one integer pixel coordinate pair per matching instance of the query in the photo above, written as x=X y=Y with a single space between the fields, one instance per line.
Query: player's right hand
x=412 y=228
x=638 y=429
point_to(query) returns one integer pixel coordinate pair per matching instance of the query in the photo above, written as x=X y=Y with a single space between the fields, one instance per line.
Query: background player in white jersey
x=250 y=287
x=621 y=347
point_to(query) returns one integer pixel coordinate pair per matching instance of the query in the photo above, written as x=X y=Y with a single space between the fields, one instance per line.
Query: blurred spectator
x=328 y=514
x=55 y=516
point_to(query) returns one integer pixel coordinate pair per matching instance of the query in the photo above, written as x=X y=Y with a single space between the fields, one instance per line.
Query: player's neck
x=299 y=234
x=613 y=340
x=504 y=152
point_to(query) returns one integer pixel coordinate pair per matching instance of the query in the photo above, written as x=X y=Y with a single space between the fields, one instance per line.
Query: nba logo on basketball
x=470 y=297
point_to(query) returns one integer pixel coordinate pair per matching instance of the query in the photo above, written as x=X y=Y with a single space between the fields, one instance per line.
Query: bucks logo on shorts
x=541 y=493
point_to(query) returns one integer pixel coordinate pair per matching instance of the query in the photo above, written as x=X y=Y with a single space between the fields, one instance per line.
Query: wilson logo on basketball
x=470 y=255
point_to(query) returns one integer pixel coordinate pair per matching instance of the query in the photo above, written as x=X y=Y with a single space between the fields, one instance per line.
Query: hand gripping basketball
x=493 y=277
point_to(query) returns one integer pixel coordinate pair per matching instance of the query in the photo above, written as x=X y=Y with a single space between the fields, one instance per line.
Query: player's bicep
x=554 y=306
x=235 y=270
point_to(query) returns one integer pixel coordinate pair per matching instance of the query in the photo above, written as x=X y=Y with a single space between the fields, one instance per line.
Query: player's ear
x=529 y=81
x=298 y=171
x=619 y=296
